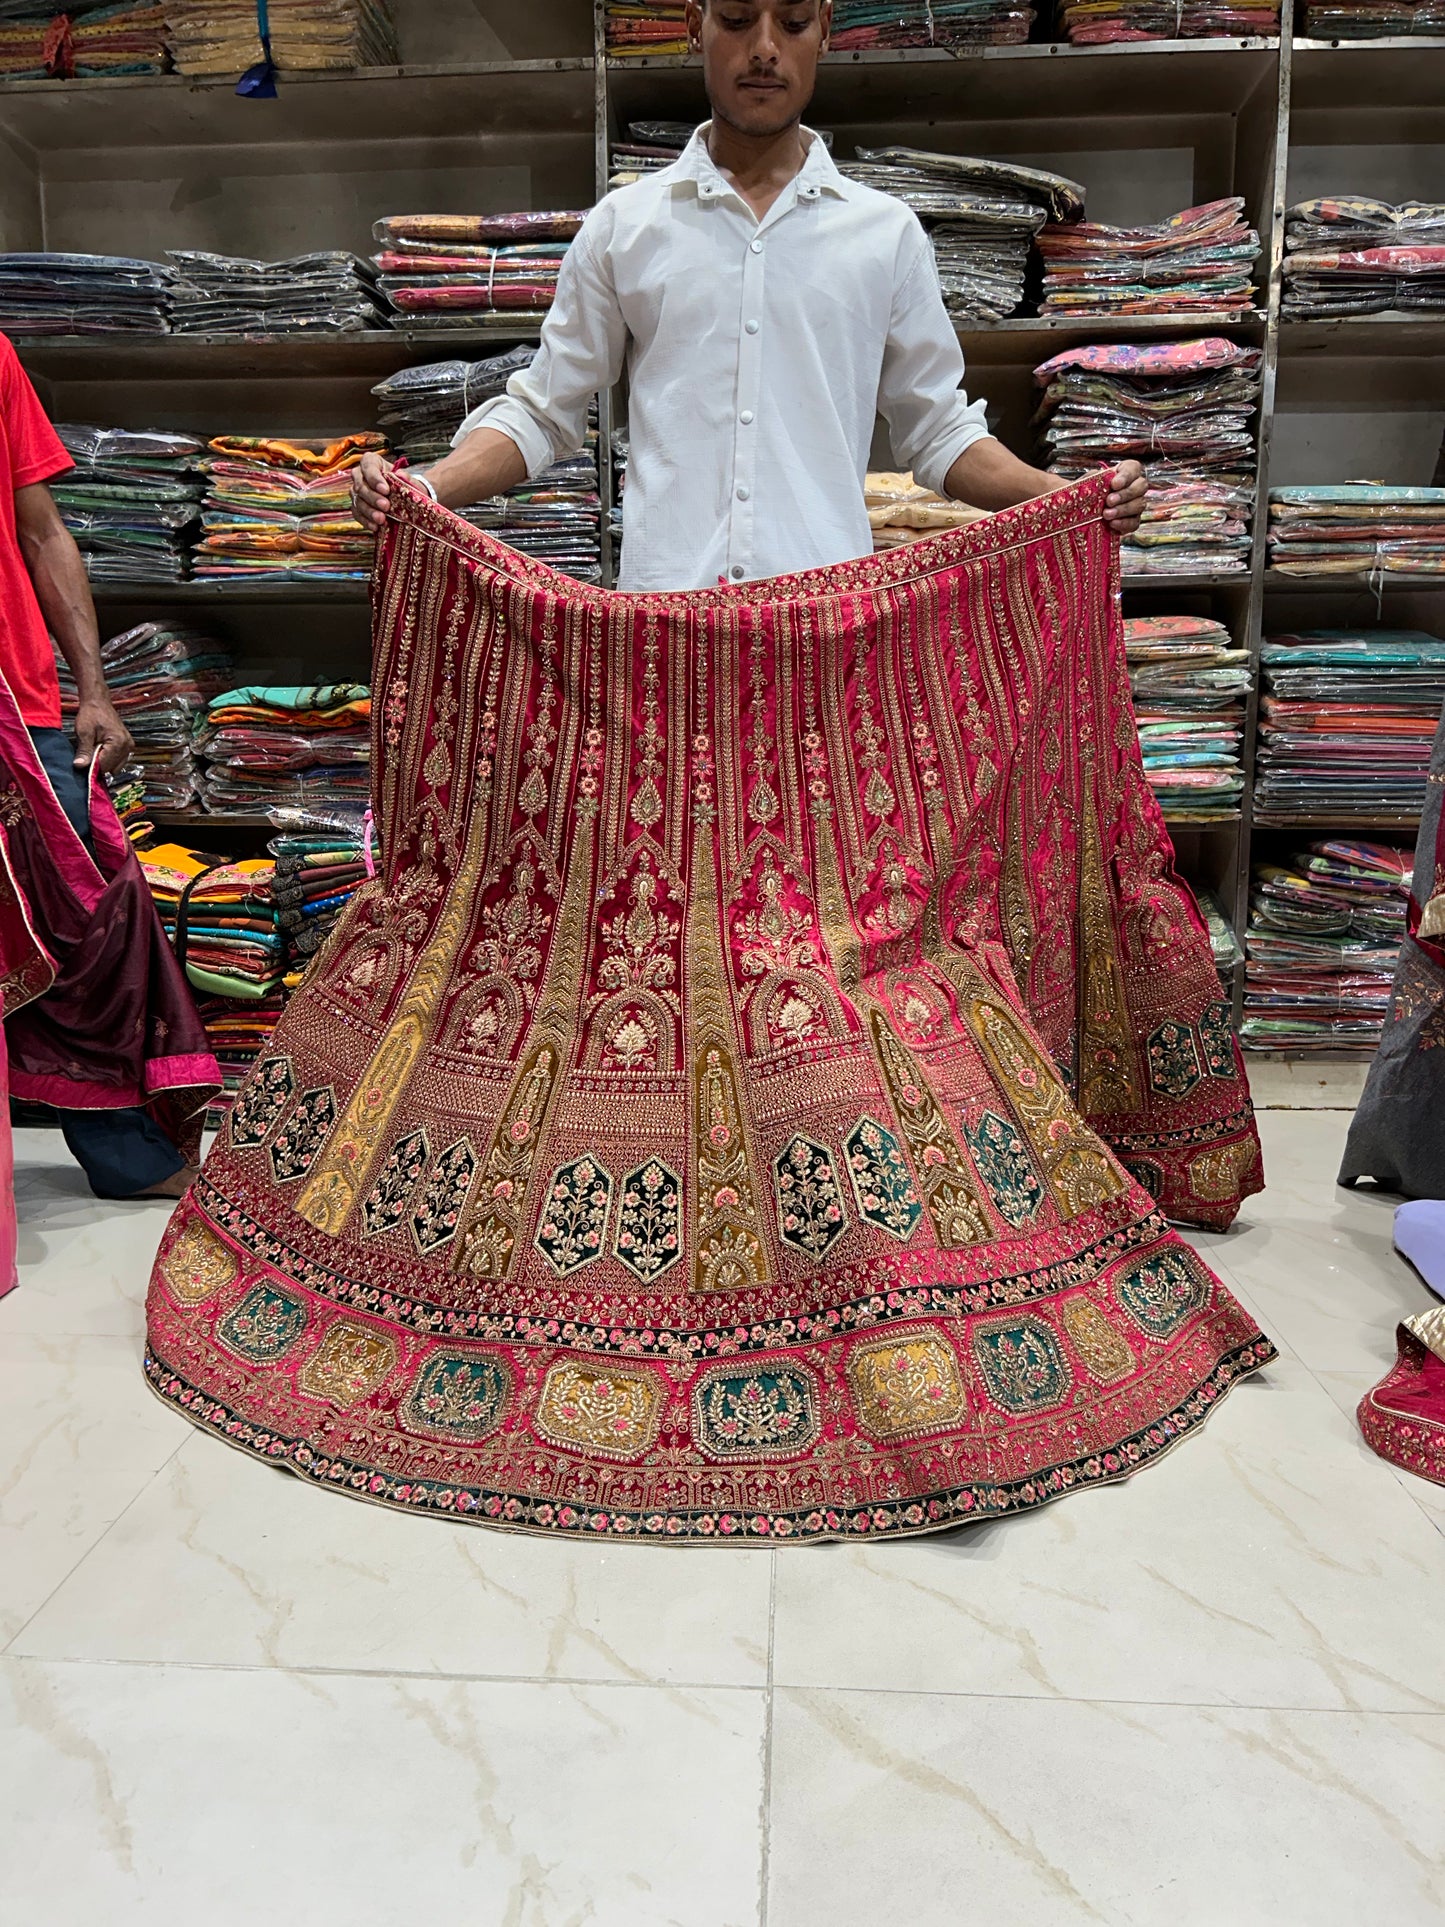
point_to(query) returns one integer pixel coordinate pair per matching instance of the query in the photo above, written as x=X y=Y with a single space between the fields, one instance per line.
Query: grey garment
x=1398 y=1133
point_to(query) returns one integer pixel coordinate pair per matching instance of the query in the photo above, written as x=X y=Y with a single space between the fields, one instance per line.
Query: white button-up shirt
x=758 y=354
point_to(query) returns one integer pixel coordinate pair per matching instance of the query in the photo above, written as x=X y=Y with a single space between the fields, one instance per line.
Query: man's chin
x=763 y=118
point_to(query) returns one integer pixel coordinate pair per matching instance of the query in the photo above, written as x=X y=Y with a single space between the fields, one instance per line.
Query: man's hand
x=99 y=729
x=371 y=492
x=1128 y=489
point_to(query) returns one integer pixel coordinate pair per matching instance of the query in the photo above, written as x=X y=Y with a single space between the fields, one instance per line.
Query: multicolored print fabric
x=747 y=1102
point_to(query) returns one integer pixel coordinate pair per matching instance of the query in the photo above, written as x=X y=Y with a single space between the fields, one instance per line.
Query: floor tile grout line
x=765 y=1859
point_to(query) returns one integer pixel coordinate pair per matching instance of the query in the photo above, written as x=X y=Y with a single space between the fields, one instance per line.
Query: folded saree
x=746 y=1102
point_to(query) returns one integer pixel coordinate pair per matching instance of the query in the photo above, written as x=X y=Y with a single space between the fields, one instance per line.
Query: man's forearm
x=63 y=592
x=987 y=476
x=487 y=463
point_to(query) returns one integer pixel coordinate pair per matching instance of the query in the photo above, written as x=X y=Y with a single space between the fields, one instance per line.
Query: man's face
x=760 y=58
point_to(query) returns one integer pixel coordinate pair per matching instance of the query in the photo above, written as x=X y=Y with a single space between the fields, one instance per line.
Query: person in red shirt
x=44 y=591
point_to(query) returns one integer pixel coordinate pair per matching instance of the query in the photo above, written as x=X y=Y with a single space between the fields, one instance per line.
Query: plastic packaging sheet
x=1190 y=685
x=70 y=294
x=1201 y=259
x=293 y=746
x=1357 y=528
x=131 y=501
x=221 y=37
x=281 y=508
x=160 y=675
x=331 y=292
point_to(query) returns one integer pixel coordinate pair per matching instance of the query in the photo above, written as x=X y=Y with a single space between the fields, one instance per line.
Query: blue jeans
x=123 y=1152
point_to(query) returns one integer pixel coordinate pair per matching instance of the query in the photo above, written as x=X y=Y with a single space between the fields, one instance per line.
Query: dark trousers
x=124 y=1152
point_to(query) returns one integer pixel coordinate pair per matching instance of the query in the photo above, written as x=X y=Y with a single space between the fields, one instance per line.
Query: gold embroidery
x=1108 y=1073
x=350 y=1363
x=904 y=1386
x=946 y=1180
x=198 y=1264
x=612 y=1410
x=1103 y=1348
x=1216 y=1175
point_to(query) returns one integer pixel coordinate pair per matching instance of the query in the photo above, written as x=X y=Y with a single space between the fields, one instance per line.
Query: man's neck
x=759 y=166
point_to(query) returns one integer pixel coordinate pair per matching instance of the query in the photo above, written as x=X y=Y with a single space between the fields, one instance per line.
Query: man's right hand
x=371 y=492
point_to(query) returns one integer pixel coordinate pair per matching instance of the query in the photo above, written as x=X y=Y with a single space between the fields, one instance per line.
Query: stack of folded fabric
x=1324 y=933
x=85 y=39
x=306 y=36
x=636 y=28
x=318 y=872
x=1347 y=254
x=1225 y=946
x=1190 y=686
x=221 y=294
x=280 y=509
x=650 y=146
x=290 y=747
x=128 y=800
x=1347 y=718
x=1373 y=19
x=237 y=1030
x=619 y=483
x=442 y=270
x=901 y=510
x=1357 y=528
x=1200 y=260
x=420 y=409
x=981 y=217
x=1100 y=22
x=83 y=294
x=980 y=23
x=1183 y=409
x=130 y=501
x=862 y=24
x=161 y=675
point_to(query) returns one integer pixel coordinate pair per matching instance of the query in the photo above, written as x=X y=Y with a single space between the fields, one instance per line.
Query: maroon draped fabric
x=747 y=1099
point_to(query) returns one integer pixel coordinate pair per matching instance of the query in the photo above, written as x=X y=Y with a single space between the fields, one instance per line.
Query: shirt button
x=756 y=246
x=744 y=492
x=736 y=572
x=751 y=326
x=746 y=416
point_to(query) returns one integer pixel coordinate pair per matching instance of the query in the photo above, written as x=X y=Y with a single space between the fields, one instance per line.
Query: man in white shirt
x=765 y=310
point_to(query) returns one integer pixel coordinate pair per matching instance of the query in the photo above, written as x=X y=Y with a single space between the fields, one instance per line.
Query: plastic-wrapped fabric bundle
x=1324 y=932
x=86 y=39
x=160 y=675
x=318 y=871
x=639 y=27
x=131 y=501
x=438 y=269
x=1183 y=409
x=1357 y=528
x=237 y=1030
x=221 y=36
x=1373 y=19
x=306 y=746
x=862 y=24
x=1101 y=22
x=981 y=218
x=652 y=145
x=1201 y=259
x=279 y=507
x=901 y=510
x=331 y=292
x=1190 y=685
x=1347 y=719
x=1225 y=947
x=419 y=409
x=83 y=294
x=1349 y=254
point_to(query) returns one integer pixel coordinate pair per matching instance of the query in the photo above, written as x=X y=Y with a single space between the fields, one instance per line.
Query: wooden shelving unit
x=500 y=107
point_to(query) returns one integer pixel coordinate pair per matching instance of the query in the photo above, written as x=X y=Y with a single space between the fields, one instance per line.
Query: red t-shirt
x=30 y=451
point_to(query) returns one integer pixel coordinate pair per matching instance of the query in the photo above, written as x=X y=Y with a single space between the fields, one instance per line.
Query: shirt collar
x=816 y=176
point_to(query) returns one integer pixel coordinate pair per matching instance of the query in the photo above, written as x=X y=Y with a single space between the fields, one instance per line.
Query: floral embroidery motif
x=574 y=1217
x=1102 y=1347
x=264 y=1325
x=386 y=1203
x=1217 y=1037
x=589 y=1408
x=810 y=1205
x=729 y=1254
x=766 y=1413
x=487 y=1244
x=1215 y=1175
x=1173 y=1060
x=261 y=1100
x=906 y=1386
x=882 y=1182
x=458 y=1396
x=435 y=1220
x=1004 y=1165
x=351 y=1362
x=198 y=1264
x=1146 y=1174
x=948 y=1187
x=294 y=1151
x=648 y=1239
x=1419 y=994
x=1022 y=1363
x=1161 y=1291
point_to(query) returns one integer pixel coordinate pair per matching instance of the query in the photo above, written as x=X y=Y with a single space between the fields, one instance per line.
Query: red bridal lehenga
x=747 y=1101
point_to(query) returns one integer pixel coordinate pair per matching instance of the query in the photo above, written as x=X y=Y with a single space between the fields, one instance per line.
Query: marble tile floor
x=1213 y=1695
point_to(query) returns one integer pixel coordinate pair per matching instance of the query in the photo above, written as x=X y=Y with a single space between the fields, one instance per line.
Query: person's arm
x=63 y=592
x=941 y=435
x=542 y=418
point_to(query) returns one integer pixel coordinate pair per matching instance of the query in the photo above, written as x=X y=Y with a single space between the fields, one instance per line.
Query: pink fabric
x=8 y=1233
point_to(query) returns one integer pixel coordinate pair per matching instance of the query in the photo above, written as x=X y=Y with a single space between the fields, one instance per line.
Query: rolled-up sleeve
x=584 y=339
x=930 y=419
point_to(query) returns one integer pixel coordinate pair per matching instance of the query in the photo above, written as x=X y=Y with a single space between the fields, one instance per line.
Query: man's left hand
x=1128 y=489
x=100 y=733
